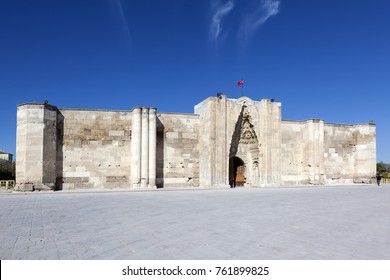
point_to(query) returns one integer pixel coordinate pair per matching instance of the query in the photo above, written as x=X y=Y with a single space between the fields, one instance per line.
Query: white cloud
x=264 y=9
x=119 y=16
x=219 y=11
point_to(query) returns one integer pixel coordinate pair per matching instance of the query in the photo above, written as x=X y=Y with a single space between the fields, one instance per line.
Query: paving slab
x=326 y=223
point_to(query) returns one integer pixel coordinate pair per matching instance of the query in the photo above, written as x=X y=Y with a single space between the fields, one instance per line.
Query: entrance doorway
x=236 y=172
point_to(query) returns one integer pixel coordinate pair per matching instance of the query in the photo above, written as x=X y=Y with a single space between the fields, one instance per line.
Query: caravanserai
x=225 y=143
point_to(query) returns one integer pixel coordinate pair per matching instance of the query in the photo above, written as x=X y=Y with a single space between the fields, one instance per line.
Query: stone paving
x=338 y=222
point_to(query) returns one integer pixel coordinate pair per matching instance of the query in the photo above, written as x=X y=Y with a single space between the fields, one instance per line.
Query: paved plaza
x=338 y=222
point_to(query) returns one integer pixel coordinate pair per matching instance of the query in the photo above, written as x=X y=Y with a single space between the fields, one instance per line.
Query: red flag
x=240 y=83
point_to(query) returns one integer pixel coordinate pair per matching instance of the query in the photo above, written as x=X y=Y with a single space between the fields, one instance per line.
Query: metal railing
x=7 y=184
x=385 y=181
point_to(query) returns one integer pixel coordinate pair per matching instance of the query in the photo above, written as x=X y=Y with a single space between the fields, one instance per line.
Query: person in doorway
x=378 y=178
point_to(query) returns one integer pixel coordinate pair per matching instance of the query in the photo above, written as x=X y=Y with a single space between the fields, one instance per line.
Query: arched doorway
x=236 y=172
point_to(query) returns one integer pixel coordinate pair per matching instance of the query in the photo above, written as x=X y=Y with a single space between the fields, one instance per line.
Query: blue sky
x=321 y=59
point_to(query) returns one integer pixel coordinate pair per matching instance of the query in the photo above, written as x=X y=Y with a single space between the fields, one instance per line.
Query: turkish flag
x=240 y=83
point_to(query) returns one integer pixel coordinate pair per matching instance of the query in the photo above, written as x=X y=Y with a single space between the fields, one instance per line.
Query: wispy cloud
x=219 y=11
x=120 y=18
x=263 y=10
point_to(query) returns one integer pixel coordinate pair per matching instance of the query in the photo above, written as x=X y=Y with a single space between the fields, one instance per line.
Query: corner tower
x=36 y=143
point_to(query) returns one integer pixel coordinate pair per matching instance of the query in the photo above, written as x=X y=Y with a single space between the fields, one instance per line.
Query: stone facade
x=225 y=143
x=315 y=152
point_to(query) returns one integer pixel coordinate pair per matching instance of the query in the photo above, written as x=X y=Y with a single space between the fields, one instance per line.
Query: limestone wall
x=270 y=141
x=177 y=150
x=94 y=149
x=213 y=141
x=314 y=152
x=206 y=131
x=349 y=153
x=302 y=152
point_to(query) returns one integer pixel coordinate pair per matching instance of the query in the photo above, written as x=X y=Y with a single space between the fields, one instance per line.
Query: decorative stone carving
x=248 y=134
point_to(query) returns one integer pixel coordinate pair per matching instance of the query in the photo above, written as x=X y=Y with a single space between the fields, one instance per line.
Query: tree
x=380 y=167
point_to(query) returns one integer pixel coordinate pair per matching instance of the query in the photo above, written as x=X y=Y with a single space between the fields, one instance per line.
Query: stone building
x=226 y=142
x=6 y=162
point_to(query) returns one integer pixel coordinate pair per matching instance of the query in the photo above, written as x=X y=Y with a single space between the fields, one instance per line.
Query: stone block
x=116 y=133
x=116 y=179
x=24 y=187
x=172 y=135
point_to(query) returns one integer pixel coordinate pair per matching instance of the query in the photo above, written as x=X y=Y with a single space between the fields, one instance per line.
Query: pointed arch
x=236 y=172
